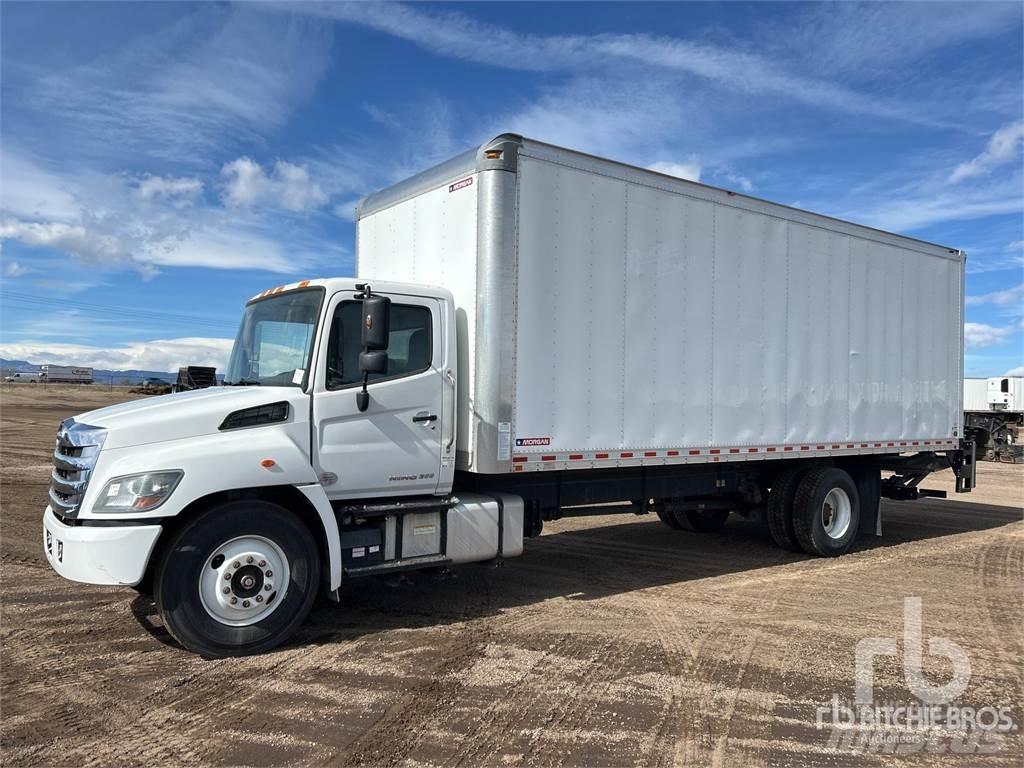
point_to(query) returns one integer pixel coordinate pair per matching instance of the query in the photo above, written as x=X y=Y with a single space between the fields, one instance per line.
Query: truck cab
x=302 y=436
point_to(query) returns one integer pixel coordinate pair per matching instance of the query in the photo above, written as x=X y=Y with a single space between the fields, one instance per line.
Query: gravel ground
x=612 y=641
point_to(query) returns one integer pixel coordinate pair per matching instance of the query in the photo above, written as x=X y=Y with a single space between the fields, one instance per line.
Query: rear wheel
x=238 y=579
x=826 y=512
x=780 y=507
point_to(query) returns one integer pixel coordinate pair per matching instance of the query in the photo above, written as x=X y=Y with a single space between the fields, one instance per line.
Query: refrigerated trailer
x=532 y=332
x=994 y=417
x=65 y=374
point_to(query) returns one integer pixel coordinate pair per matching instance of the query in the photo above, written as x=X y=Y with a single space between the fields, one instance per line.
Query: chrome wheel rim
x=836 y=513
x=244 y=580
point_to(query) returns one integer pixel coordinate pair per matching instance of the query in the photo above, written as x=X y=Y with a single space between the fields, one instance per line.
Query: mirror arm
x=362 y=396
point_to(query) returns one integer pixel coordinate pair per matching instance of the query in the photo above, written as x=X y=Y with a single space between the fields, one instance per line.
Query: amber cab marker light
x=492 y=154
x=268 y=463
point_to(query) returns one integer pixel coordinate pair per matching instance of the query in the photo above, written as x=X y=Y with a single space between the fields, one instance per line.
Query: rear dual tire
x=816 y=511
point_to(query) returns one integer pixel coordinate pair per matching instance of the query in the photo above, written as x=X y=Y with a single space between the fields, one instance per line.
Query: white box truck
x=65 y=374
x=994 y=417
x=533 y=332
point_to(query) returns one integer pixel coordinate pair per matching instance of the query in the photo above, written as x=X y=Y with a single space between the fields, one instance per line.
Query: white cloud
x=156 y=355
x=1016 y=245
x=690 y=169
x=982 y=335
x=13 y=268
x=215 y=75
x=1002 y=148
x=458 y=36
x=70 y=238
x=30 y=191
x=178 y=191
x=1018 y=371
x=1010 y=297
x=287 y=186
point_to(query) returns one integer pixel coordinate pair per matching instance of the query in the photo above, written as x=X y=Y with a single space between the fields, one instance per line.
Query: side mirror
x=375 y=333
x=376 y=323
x=375 y=361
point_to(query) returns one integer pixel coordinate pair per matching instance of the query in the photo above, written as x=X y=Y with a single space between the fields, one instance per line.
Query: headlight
x=137 y=493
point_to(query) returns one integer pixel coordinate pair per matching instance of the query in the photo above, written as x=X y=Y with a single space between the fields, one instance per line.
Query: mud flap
x=868 y=476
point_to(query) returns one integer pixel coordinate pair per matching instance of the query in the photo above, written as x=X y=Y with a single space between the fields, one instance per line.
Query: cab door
x=394 y=447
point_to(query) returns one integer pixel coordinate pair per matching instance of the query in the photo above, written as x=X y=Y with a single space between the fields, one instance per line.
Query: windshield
x=275 y=340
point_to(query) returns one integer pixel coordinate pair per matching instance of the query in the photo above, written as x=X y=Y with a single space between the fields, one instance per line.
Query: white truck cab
x=288 y=430
x=603 y=334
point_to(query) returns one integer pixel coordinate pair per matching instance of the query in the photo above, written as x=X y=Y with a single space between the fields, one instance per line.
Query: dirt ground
x=612 y=641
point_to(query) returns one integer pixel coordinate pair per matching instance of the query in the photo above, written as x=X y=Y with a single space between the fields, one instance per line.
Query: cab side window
x=409 y=344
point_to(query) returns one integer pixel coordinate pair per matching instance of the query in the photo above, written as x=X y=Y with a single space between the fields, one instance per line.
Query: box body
x=610 y=315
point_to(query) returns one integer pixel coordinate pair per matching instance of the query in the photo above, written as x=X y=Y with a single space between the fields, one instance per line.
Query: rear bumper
x=98 y=555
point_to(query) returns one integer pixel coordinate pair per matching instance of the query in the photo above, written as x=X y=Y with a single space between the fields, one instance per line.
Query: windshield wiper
x=244 y=383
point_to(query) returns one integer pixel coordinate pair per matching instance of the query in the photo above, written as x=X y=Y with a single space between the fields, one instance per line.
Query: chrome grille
x=74 y=456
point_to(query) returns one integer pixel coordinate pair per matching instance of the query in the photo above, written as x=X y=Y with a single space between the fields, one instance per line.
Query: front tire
x=238 y=579
x=826 y=512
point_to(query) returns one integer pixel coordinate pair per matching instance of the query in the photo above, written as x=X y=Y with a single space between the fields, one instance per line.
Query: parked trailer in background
x=994 y=417
x=534 y=332
x=65 y=374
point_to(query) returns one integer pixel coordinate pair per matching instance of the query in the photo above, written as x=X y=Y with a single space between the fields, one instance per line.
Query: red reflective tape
x=751 y=450
x=805 y=447
x=547 y=458
x=519 y=459
x=890 y=445
x=878 y=445
x=575 y=456
x=914 y=443
x=850 y=445
x=734 y=450
x=927 y=443
x=771 y=450
x=836 y=446
x=673 y=453
x=627 y=455
x=600 y=455
x=820 y=447
x=694 y=452
x=650 y=453
x=903 y=443
x=788 y=448
x=714 y=451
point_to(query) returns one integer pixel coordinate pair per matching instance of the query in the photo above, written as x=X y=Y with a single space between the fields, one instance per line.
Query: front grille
x=74 y=456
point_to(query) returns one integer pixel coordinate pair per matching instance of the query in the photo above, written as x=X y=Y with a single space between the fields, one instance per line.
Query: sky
x=161 y=163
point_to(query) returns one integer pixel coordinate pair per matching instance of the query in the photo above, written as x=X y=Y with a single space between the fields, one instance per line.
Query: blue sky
x=163 y=162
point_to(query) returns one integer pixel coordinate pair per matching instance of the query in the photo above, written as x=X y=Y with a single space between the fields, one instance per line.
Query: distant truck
x=195 y=377
x=994 y=417
x=65 y=374
x=533 y=332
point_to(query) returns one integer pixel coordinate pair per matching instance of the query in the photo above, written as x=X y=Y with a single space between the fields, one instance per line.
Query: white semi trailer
x=994 y=417
x=65 y=374
x=532 y=332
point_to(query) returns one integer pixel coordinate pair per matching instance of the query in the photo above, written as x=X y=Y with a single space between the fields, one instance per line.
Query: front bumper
x=98 y=555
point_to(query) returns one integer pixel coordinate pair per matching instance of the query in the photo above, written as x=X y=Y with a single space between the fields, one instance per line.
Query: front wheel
x=238 y=579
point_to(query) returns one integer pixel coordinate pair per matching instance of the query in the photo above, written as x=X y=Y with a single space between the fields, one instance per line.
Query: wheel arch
x=302 y=501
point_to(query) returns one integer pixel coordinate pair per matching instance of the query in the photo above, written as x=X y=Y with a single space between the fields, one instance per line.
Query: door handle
x=419 y=418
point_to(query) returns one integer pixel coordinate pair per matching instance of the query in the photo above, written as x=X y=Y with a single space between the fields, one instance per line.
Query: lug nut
x=269 y=574
x=227 y=590
x=267 y=587
x=248 y=559
x=259 y=598
x=236 y=564
x=262 y=563
x=227 y=577
x=245 y=603
x=234 y=600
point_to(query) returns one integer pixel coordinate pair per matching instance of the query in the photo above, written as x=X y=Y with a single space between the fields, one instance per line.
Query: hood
x=186 y=414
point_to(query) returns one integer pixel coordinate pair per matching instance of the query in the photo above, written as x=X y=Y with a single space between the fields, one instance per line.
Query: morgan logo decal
x=526 y=442
x=460 y=184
